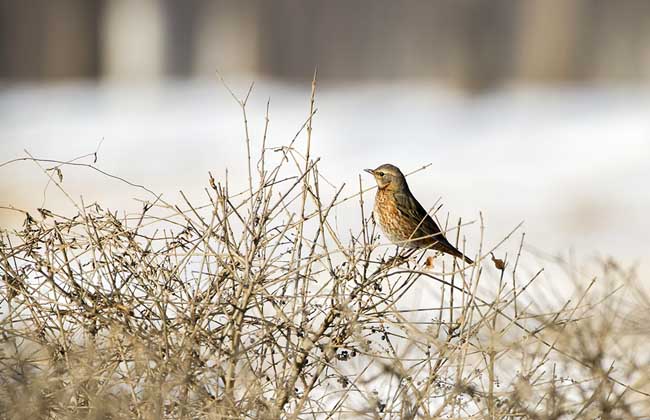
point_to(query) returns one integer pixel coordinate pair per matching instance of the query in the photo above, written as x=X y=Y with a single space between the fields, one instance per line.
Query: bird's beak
x=370 y=171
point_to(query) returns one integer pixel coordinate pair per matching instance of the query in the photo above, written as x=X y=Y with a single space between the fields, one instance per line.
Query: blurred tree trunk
x=621 y=40
x=547 y=40
x=227 y=37
x=132 y=34
x=180 y=19
x=485 y=39
x=49 y=39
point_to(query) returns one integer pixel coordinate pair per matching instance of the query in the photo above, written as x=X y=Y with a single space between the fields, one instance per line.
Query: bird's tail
x=451 y=250
x=467 y=259
x=459 y=254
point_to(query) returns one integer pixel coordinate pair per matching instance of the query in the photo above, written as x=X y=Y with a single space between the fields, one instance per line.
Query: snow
x=572 y=162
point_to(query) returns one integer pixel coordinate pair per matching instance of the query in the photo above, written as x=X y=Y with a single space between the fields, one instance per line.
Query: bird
x=402 y=218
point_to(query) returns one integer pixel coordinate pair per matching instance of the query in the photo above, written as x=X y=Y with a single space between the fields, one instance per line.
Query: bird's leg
x=407 y=256
x=402 y=256
x=410 y=252
x=396 y=259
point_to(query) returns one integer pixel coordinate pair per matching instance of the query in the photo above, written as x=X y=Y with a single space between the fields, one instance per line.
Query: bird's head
x=388 y=176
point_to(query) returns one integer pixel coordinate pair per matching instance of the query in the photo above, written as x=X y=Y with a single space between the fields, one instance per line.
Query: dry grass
x=253 y=305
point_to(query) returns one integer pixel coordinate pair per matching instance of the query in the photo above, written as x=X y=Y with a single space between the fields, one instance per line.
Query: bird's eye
x=380 y=173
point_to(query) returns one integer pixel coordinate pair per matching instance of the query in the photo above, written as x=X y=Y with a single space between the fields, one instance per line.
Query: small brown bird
x=402 y=217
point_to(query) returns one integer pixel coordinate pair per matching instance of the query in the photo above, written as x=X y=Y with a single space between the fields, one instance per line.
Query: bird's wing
x=410 y=208
x=413 y=210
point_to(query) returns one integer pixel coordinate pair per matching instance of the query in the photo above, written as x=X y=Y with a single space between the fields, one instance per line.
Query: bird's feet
x=400 y=258
x=396 y=260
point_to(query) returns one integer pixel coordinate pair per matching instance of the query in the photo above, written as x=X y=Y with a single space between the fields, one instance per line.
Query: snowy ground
x=573 y=163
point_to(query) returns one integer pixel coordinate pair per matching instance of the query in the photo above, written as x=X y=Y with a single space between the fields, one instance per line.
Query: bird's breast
x=389 y=218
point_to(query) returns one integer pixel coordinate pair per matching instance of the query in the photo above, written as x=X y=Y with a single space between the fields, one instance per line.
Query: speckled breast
x=396 y=228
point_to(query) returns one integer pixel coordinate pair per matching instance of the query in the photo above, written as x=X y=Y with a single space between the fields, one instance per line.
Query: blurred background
x=528 y=110
x=471 y=44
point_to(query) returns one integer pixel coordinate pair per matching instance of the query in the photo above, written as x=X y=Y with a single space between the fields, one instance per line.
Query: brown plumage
x=402 y=217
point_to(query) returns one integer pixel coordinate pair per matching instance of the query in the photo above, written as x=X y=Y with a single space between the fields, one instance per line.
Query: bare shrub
x=254 y=305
